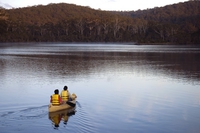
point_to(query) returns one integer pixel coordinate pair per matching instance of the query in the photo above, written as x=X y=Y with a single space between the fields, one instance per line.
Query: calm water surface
x=120 y=88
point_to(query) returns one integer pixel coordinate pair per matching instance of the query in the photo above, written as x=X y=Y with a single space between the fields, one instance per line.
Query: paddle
x=78 y=104
x=71 y=104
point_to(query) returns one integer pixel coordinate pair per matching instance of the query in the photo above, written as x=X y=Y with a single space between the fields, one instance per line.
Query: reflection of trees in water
x=186 y=65
x=84 y=64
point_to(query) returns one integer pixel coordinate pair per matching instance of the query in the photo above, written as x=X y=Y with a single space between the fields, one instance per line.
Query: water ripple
x=84 y=122
x=28 y=113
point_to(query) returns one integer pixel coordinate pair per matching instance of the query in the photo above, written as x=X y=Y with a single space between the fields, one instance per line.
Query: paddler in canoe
x=57 y=103
x=65 y=95
x=56 y=100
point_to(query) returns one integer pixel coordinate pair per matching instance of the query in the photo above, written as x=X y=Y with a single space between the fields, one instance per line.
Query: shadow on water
x=58 y=116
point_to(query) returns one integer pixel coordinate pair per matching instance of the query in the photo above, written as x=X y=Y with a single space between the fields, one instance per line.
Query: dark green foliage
x=178 y=23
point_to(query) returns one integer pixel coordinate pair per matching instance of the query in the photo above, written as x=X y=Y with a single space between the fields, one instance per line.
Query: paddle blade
x=70 y=104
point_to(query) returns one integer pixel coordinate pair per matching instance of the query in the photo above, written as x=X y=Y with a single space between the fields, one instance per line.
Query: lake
x=121 y=88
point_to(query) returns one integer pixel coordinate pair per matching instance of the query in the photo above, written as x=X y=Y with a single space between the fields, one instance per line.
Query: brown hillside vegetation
x=177 y=23
x=53 y=13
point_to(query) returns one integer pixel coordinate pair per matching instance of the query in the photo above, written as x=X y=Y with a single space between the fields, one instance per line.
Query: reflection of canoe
x=64 y=106
x=63 y=115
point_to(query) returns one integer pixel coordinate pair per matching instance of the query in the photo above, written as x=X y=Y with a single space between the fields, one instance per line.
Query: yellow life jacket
x=55 y=99
x=64 y=95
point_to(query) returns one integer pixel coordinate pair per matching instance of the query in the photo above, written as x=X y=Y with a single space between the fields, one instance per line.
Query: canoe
x=70 y=111
x=65 y=105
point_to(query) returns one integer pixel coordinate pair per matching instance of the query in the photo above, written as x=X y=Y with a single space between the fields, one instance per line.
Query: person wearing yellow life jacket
x=65 y=95
x=55 y=98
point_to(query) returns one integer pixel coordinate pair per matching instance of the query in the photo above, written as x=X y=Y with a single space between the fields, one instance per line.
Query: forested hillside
x=178 y=23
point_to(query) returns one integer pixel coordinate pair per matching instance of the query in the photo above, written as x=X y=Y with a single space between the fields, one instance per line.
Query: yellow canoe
x=68 y=111
x=66 y=105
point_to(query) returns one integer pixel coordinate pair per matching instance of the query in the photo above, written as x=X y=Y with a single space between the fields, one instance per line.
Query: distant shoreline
x=165 y=44
x=127 y=43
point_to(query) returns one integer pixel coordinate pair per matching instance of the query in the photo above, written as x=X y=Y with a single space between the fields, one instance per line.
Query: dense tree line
x=178 y=23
